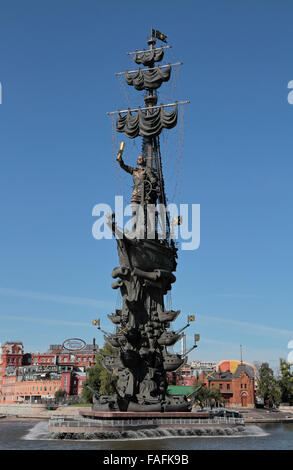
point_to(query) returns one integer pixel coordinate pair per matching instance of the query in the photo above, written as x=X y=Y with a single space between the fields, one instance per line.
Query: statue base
x=107 y=425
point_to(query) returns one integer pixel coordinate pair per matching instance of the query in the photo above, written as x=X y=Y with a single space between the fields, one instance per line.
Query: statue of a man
x=145 y=180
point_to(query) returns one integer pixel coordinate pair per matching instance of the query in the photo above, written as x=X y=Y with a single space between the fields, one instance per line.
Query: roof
x=232 y=364
x=13 y=342
x=180 y=389
x=228 y=376
x=243 y=368
x=218 y=376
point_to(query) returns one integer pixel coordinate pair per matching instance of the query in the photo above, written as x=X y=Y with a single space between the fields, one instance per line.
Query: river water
x=24 y=434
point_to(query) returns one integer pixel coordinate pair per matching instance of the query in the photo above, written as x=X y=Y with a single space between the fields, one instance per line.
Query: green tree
x=106 y=383
x=207 y=395
x=286 y=382
x=201 y=396
x=92 y=380
x=268 y=386
x=214 y=395
x=60 y=394
x=98 y=378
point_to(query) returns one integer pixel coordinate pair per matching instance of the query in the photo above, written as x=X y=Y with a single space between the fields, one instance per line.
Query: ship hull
x=147 y=255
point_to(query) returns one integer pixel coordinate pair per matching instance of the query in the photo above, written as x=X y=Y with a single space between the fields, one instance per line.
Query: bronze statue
x=144 y=276
x=145 y=180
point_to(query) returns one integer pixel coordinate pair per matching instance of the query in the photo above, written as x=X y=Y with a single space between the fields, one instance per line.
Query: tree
x=106 y=383
x=286 y=382
x=268 y=386
x=60 y=394
x=207 y=395
x=214 y=395
x=98 y=378
x=201 y=396
x=93 y=380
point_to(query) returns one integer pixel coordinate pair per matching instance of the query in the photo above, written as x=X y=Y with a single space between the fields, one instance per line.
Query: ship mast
x=150 y=101
x=150 y=79
x=153 y=148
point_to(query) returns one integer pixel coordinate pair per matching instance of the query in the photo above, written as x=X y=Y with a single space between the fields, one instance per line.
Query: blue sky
x=57 y=65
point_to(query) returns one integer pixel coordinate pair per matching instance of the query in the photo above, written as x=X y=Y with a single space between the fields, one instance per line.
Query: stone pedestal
x=132 y=425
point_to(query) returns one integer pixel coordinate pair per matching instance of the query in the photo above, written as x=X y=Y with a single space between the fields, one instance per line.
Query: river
x=24 y=434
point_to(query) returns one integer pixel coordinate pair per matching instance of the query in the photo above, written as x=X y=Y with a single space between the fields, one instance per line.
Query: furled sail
x=146 y=125
x=148 y=79
x=148 y=57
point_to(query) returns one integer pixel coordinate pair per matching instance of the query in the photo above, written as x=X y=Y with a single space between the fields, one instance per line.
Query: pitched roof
x=243 y=368
x=220 y=376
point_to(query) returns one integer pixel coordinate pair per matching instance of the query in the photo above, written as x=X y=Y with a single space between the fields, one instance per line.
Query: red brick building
x=30 y=377
x=184 y=376
x=237 y=389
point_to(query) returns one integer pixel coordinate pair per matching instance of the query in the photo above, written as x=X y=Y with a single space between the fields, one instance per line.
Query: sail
x=146 y=125
x=148 y=79
x=149 y=57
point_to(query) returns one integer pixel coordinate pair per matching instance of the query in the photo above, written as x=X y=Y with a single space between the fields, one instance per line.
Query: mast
x=152 y=118
x=150 y=101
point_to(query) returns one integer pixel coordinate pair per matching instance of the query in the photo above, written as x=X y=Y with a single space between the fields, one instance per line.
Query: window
x=221 y=386
x=228 y=386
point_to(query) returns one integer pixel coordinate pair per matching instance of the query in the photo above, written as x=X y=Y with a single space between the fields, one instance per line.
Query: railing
x=91 y=423
x=72 y=399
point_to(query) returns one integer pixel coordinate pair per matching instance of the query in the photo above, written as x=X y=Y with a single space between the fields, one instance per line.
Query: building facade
x=237 y=389
x=189 y=374
x=235 y=380
x=35 y=376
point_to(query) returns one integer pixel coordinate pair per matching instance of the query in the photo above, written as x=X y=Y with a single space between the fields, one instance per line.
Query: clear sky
x=57 y=65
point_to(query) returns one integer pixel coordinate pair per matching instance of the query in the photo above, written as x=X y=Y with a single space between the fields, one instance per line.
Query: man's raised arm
x=119 y=159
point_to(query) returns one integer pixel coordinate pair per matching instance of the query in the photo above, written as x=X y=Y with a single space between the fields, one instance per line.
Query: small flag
x=191 y=318
x=96 y=323
x=196 y=338
x=158 y=35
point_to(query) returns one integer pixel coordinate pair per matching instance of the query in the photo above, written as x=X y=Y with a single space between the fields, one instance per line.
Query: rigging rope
x=168 y=299
x=172 y=142
x=179 y=157
x=118 y=305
